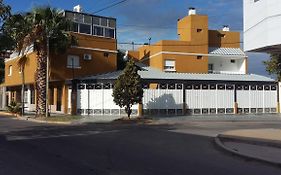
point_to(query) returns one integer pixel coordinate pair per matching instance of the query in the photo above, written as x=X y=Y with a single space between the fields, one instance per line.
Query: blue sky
x=138 y=20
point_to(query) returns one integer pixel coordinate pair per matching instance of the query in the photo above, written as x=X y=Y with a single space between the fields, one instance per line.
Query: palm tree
x=41 y=26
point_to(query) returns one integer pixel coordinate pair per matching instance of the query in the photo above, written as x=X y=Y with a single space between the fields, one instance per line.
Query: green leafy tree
x=273 y=65
x=5 y=41
x=36 y=28
x=128 y=90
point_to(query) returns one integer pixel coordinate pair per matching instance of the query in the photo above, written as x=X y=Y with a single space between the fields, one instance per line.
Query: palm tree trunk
x=41 y=75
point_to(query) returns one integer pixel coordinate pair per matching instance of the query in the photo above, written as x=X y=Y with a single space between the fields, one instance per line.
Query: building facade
x=197 y=50
x=262 y=26
x=94 y=53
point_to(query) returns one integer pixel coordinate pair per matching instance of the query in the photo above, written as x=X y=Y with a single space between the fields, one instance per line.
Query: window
x=109 y=33
x=169 y=65
x=104 y=22
x=199 y=57
x=106 y=54
x=98 y=31
x=96 y=20
x=10 y=70
x=75 y=27
x=73 y=61
x=112 y=23
x=84 y=28
x=232 y=61
x=199 y=30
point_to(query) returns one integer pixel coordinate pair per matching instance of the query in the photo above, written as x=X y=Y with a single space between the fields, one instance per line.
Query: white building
x=262 y=23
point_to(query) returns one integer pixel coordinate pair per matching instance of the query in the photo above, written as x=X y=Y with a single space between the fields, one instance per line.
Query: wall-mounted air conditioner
x=87 y=56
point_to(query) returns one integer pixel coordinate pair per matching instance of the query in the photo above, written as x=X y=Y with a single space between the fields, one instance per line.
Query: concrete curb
x=251 y=140
x=42 y=121
x=220 y=144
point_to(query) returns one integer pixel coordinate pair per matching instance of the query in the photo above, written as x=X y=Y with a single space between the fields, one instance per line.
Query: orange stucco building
x=193 y=51
x=94 y=53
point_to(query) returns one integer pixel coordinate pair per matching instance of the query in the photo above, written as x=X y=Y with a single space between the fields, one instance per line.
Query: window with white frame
x=169 y=65
x=91 y=24
x=10 y=70
x=73 y=61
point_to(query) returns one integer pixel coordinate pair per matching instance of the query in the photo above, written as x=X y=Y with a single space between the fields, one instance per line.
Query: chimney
x=77 y=8
x=225 y=28
x=192 y=11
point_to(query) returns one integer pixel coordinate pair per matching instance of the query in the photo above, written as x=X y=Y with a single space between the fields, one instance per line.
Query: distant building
x=262 y=23
x=198 y=49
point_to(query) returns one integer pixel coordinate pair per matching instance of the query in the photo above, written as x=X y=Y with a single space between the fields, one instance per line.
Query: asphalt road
x=116 y=149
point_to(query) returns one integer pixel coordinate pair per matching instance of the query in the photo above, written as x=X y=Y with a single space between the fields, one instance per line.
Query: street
x=32 y=148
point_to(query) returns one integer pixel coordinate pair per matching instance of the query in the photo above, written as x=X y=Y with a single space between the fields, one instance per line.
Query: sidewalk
x=259 y=144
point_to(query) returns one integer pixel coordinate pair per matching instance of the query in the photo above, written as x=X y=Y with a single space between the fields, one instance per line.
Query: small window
x=109 y=33
x=246 y=87
x=188 y=86
x=260 y=87
x=179 y=86
x=221 y=86
x=87 y=19
x=84 y=28
x=239 y=87
x=74 y=27
x=212 y=86
x=199 y=57
x=163 y=86
x=98 y=31
x=98 y=86
x=204 y=86
x=171 y=86
x=106 y=54
x=273 y=87
x=106 y=86
x=169 y=65
x=229 y=87
x=89 y=86
x=112 y=23
x=81 y=86
x=253 y=87
x=78 y=17
x=103 y=22
x=232 y=61
x=96 y=20
x=199 y=30
x=267 y=87
x=197 y=86
x=73 y=61
x=10 y=70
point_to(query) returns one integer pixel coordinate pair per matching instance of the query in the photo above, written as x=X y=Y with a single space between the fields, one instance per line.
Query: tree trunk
x=41 y=75
x=128 y=111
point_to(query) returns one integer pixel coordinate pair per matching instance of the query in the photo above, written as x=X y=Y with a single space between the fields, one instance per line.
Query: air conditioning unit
x=87 y=56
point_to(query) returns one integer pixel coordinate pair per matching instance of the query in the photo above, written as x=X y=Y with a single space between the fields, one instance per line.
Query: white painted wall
x=198 y=99
x=163 y=99
x=257 y=99
x=262 y=23
x=224 y=65
x=97 y=99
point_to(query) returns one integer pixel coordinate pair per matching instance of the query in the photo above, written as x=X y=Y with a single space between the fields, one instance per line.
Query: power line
x=110 y=6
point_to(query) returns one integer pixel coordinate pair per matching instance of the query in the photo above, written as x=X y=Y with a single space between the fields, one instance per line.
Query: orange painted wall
x=185 y=63
x=100 y=63
x=218 y=38
x=15 y=78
